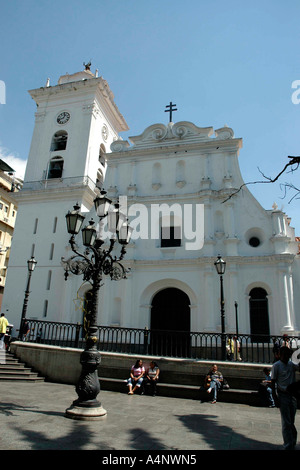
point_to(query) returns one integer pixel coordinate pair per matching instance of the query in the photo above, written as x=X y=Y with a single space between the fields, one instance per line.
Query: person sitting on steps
x=136 y=376
x=214 y=381
x=152 y=377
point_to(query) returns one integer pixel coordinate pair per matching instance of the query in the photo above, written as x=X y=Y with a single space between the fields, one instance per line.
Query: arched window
x=59 y=141
x=102 y=152
x=259 y=315
x=55 y=168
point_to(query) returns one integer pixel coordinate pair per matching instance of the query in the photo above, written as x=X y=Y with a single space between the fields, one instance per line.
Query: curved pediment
x=161 y=134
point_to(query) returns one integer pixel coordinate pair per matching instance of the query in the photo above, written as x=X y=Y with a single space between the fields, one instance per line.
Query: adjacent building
x=8 y=212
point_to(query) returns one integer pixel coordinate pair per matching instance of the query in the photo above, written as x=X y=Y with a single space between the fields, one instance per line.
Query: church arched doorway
x=259 y=314
x=170 y=323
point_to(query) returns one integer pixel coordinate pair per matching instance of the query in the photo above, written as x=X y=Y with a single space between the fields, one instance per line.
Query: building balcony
x=10 y=221
x=59 y=183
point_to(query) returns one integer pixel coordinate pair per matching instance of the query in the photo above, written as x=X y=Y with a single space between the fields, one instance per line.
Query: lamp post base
x=87 y=407
x=86 y=412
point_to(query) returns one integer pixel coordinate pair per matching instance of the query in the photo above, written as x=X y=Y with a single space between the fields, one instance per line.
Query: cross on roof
x=171 y=109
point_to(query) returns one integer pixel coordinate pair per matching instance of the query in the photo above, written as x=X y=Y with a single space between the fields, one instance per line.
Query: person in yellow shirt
x=3 y=326
x=230 y=348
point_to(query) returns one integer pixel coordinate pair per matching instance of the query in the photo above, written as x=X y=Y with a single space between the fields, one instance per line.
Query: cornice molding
x=207 y=261
x=121 y=149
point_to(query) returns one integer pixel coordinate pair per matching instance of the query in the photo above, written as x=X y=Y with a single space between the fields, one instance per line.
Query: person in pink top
x=136 y=376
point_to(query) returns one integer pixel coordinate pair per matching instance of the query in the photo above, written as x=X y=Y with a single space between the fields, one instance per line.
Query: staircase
x=11 y=369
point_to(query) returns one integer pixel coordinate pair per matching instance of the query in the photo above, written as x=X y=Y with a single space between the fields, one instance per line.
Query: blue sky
x=221 y=63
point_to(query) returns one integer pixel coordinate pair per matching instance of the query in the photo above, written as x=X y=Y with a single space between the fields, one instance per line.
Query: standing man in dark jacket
x=283 y=375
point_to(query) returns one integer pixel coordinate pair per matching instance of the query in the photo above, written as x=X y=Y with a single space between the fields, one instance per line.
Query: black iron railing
x=181 y=344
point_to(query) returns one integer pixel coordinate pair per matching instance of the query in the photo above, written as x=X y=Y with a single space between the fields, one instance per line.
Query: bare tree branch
x=288 y=186
x=294 y=161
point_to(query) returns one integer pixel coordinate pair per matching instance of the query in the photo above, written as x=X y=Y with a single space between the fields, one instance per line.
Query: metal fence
x=179 y=344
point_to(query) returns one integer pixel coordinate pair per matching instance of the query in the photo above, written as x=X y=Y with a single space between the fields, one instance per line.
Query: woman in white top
x=152 y=377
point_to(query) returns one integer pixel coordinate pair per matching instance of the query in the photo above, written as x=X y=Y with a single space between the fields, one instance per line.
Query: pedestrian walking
x=237 y=349
x=39 y=335
x=230 y=348
x=3 y=325
x=283 y=375
x=25 y=331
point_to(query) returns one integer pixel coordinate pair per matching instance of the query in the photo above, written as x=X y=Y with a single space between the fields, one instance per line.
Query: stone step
x=239 y=381
x=21 y=379
x=15 y=365
x=12 y=369
x=19 y=368
x=18 y=374
x=186 y=391
x=4 y=358
x=21 y=372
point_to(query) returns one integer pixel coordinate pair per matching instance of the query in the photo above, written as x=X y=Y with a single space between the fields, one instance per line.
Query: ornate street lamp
x=220 y=265
x=92 y=265
x=31 y=264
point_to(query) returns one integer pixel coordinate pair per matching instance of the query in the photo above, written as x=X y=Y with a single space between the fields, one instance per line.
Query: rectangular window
x=55 y=225
x=35 y=226
x=170 y=236
x=49 y=280
x=51 y=251
x=45 y=312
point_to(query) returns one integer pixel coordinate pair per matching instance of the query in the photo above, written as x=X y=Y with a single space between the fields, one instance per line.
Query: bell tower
x=75 y=123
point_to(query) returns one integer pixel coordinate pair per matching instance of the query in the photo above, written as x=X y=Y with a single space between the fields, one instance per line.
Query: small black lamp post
x=220 y=265
x=93 y=264
x=236 y=320
x=31 y=264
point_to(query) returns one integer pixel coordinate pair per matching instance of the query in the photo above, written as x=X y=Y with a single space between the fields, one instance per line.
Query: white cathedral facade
x=175 y=178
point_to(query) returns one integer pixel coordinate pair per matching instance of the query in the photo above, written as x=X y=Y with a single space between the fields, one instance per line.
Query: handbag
x=225 y=385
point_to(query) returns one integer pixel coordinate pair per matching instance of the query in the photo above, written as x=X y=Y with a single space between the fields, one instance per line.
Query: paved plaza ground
x=32 y=416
